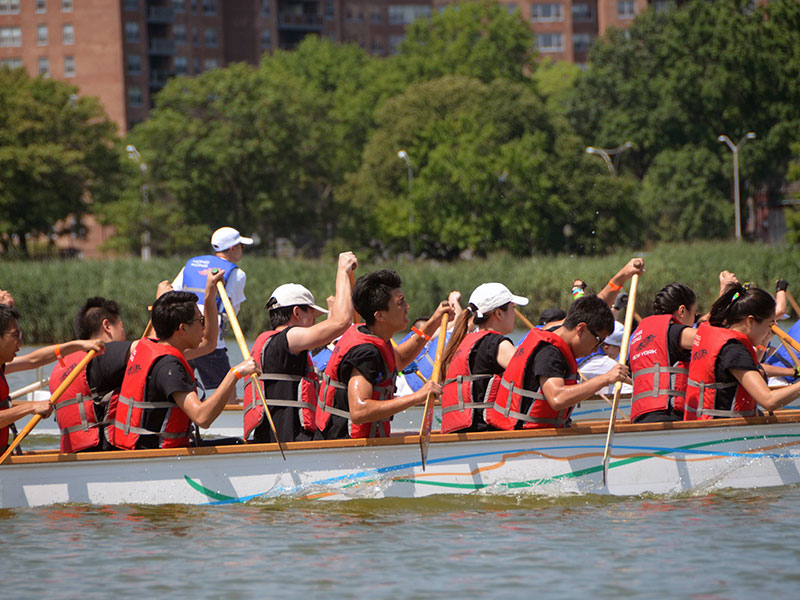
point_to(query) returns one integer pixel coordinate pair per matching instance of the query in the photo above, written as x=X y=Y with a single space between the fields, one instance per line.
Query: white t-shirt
x=235 y=289
x=600 y=364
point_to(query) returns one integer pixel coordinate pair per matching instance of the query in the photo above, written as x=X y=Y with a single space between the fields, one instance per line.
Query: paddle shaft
x=623 y=356
x=237 y=331
x=793 y=302
x=523 y=318
x=786 y=337
x=73 y=375
x=791 y=353
x=427 y=415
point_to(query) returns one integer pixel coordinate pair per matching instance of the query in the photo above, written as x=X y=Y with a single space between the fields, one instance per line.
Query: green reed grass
x=48 y=293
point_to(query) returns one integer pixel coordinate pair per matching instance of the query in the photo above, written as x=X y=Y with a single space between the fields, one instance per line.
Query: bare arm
x=211 y=327
x=23 y=409
x=363 y=409
x=559 y=395
x=776 y=371
x=341 y=313
x=205 y=413
x=504 y=353
x=46 y=355
x=687 y=337
x=609 y=293
x=757 y=388
x=408 y=350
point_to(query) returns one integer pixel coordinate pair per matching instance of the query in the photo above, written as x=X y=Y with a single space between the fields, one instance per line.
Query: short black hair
x=7 y=314
x=282 y=315
x=170 y=310
x=590 y=310
x=373 y=291
x=89 y=320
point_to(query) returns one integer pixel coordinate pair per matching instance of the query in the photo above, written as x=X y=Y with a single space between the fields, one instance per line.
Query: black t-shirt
x=277 y=358
x=166 y=376
x=674 y=350
x=369 y=362
x=483 y=361
x=104 y=373
x=733 y=355
x=547 y=362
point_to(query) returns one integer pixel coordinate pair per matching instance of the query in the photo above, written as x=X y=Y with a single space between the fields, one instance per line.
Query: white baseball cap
x=227 y=237
x=488 y=296
x=615 y=337
x=293 y=294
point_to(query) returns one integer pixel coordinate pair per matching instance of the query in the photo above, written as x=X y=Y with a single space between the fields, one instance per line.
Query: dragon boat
x=658 y=458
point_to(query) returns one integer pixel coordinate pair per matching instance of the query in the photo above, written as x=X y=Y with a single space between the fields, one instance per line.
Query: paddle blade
x=427 y=416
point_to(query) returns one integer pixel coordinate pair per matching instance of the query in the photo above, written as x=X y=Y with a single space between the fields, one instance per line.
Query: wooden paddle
x=524 y=319
x=785 y=337
x=73 y=375
x=427 y=415
x=623 y=357
x=226 y=302
x=793 y=302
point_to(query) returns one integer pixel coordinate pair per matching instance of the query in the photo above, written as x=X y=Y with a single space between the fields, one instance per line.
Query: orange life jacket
x=75 y=410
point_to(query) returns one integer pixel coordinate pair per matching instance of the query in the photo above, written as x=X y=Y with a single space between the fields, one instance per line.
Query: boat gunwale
x=585 y=428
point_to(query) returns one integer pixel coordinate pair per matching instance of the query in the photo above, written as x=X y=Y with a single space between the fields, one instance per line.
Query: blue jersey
x=781 y=358
x=424 y=361
x=196 y=271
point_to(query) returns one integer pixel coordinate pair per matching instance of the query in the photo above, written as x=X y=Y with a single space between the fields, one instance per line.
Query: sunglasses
x=201 y=319
x=596 y=337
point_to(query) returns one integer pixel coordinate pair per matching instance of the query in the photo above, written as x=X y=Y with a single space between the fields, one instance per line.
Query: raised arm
x=408 y=350
x=211 y=327
x=609 y=293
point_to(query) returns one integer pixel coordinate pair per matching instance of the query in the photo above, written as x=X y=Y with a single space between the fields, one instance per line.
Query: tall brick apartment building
x=124 y=51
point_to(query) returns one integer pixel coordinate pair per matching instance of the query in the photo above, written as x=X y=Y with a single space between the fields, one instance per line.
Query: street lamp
x=402 y=154
x=606 y=155
x=751 y=135
x=134 y=155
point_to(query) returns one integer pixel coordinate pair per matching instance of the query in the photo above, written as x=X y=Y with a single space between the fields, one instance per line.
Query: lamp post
x=751 y=135
x=402 y=154
x=134 y=155
x=606 y=154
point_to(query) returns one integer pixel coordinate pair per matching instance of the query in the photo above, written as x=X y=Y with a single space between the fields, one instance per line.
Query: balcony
x=163 y=15
x=162 y=47
x=159 y=78
x=300 y=21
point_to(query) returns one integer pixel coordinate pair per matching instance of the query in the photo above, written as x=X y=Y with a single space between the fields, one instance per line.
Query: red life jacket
x=457 y=413
x=701 y=392
x=383 y=390
x=657 y=384
x=127 y=410
x=5 y=403
x=505 y=412
x=305 y=396
x=75 y=412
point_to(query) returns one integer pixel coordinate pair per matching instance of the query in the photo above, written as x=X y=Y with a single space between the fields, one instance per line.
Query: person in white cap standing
x=289 y=380
x=228 y=245
x=471 y=360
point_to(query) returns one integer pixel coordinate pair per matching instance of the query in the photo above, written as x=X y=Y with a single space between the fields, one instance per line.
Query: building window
x=41 y=35
x=394 y=43
x=11 y=63
x=210 y=63
x=209 y=7
x=377 y=47
x=131 y=32
x=194 y=6
x=196 y=65
x=265 y=8
x=626 y=9
x=375 y=17
x=582 y=41
x=133 y=64
x=68 y=34
x=131 y=4
x=9 y=7
x=549 y=42
x=44 y=66
x=662 y=6
x=544 y=13
x=181 y=65
x=511 y=8
x=582 y=12
x=195 y=37
x=69 y=66
x=66 y=5
x=211 y=37
x=10 y=37
x=266 y=39
x=179 y=33
x=179 y=5
x=41 y=6
x=329 y=9
x=405 y=14
x=135 y=97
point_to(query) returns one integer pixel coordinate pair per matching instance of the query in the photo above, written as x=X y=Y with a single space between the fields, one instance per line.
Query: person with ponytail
x=471 y=360
x=659 y=356
x=725 y=378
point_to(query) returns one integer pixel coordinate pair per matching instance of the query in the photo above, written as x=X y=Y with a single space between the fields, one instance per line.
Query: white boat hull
x=658 y=459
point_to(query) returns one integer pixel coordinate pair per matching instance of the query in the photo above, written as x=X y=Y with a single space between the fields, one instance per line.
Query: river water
x=730 y=544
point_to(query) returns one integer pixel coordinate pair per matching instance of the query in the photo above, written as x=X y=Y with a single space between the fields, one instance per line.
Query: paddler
x=357 y=391
x=10 y=339
x=471 y=360
x=158 y=399
x=290 y=382
x=725 y=378
x=228 y=245
x=539 y=387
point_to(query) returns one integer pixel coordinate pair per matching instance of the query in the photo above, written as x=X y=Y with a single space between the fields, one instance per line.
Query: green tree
x=57 y=150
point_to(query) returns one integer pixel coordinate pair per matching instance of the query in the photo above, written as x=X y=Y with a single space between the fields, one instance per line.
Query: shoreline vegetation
x=48 y=293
